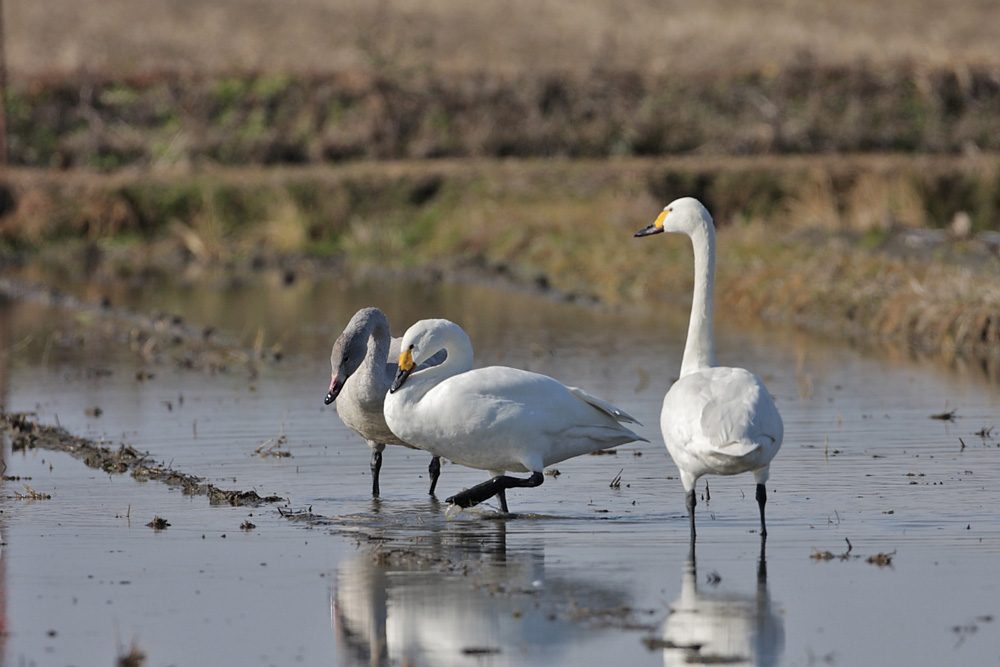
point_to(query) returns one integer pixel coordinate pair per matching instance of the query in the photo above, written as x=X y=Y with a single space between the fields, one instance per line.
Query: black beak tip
x=330 y=398
x=400 y=378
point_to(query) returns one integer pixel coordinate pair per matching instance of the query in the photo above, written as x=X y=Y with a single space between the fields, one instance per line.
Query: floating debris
x=237 y=498
x=135 y=657
x=247 y=526
x=158 y=523
x=616 y=483
x=31 y=494
x=270 y=448
x=945 y=416
x=881 y=559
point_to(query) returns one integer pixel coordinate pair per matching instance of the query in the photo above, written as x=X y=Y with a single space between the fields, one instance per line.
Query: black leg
x=435 y=471
x=493 y=487
x=690 y=503
x=376 y=466
x=502 y=495
x=761 y=501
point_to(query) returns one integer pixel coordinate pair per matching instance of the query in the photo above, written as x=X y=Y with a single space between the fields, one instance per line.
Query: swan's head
x=424 y=340
x=349 y=351
x=684 y=215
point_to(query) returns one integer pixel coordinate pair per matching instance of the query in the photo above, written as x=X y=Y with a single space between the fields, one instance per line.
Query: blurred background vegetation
x=838 y=139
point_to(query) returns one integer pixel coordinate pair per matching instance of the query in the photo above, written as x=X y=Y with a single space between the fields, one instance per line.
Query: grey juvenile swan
x=361 y=376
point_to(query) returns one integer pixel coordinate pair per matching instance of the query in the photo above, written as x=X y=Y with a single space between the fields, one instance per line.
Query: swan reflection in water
x=390 y=607
x=722 y=627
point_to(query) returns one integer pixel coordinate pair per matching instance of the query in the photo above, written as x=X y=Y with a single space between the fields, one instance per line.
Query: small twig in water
x=616 y=483
x=31 y=494
x=270 y=446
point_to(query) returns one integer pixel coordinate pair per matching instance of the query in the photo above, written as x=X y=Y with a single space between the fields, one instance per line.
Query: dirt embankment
x=108 y=123
x=893 y=248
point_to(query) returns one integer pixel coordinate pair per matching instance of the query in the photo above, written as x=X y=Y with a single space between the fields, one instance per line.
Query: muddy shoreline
x=25 y=433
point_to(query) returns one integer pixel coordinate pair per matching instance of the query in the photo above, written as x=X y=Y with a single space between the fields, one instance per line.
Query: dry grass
x=829 y=248
x=511 y=36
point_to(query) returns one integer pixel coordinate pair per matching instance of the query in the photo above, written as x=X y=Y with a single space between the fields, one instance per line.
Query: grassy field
x=315 y=36
x=140 y=83
x=857 y=247
x=848 y=150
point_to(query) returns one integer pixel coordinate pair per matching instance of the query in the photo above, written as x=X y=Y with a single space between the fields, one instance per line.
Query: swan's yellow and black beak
x=656 y=227
x=406 y=367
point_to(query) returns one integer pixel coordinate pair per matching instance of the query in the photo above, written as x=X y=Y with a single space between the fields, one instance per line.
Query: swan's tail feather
x=605 y=407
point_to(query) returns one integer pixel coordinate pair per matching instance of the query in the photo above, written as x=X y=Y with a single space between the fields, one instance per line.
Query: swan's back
x=720 y=420
x=501 y=418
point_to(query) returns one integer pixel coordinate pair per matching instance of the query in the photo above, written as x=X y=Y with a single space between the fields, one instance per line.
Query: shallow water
x=583 y=574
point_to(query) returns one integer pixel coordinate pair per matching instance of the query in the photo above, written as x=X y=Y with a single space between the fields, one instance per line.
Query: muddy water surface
x=584 y=573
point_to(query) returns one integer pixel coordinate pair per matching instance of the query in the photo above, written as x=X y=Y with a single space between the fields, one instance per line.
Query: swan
x=361 y=376
x=715 y=420
x=497 y=419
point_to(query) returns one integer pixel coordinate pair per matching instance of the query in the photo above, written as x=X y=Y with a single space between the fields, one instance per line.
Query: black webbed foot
x=494 y=487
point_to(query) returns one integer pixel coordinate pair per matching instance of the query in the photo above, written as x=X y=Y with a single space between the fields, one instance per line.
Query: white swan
x=496 y=418
x=715 y=420
x=361 y=376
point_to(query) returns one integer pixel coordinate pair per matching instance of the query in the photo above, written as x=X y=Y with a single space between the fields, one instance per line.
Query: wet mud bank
x=25 y=433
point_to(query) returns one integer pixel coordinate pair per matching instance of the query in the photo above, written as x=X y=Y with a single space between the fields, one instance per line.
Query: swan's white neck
x=699 y=350
x=458 y=360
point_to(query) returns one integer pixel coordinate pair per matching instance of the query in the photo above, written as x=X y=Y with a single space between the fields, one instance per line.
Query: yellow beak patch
x=660 y=218
x=406 y=361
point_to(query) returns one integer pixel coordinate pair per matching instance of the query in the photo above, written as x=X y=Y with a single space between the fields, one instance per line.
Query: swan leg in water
x=761 y=501
x=495 y=487
x=691 y=501
x=434 y=469
x=376 y=467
